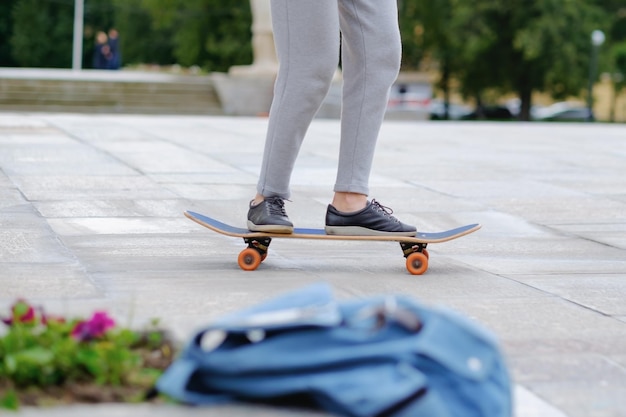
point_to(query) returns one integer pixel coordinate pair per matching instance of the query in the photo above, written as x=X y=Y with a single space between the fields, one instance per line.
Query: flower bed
x=49 y=360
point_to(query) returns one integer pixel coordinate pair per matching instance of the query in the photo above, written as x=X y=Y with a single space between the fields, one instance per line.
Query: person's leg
x=306 y=34
x=371 y=53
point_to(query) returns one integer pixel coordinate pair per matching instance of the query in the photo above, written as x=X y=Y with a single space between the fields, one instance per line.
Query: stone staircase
x=94 y=91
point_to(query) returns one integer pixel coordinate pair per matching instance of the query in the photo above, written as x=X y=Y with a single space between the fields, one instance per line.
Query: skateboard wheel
x=417 y=263
x=425 y=252
x=249 y=259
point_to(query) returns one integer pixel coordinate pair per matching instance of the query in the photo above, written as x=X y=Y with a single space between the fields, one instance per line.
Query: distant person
x=102 y=55
x=114 y=45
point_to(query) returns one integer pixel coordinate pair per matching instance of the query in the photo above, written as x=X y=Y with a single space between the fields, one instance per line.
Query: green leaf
x=10 y=401
x=20 y=309
x=10 y=363
x=35 y=356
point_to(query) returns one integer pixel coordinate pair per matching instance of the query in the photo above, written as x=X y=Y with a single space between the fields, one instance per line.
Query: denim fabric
x=380 y=356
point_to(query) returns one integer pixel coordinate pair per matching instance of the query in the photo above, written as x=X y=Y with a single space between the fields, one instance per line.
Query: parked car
x=495 y=112
x=565 y=111
x=455 y=111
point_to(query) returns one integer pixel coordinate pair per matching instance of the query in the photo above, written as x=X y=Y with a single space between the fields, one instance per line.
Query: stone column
x=264 y=53
x=247 y=90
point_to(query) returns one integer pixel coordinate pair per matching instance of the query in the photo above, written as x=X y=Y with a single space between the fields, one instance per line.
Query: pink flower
x=95 y=327
x=21 y=312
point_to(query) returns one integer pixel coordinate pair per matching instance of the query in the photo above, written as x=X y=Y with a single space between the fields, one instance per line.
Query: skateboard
x=413 y=247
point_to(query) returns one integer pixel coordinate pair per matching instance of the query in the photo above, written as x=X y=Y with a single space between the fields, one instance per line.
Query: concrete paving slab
x=602 y=293
x=91 y=218
x=47 y=151
x=45 y=281
x=568 y=392
x=118 y=225
x=26 y=238
x=111 y=208
x=89 y=187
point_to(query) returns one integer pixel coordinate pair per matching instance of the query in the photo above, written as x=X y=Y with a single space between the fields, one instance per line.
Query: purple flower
x=95 y=327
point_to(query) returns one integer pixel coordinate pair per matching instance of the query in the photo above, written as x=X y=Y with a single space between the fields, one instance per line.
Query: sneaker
x=374 y=220
x=269 y=216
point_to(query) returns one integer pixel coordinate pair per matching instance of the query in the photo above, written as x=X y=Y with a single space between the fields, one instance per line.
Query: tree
x=424 y=29
x=42 y=33
x=6 y=27
x=517 y=46
x=209 y=33
x=618 y=53
x=141 y=41
x=534 y=46
x=412 y=33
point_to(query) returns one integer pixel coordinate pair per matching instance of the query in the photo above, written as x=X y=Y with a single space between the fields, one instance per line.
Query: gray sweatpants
x=307 y=38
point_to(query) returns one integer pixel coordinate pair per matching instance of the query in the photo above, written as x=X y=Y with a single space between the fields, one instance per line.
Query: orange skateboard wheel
x=249 y=259
x=417 y=263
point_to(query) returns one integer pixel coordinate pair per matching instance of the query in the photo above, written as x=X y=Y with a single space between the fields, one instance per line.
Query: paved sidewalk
x=91 y=216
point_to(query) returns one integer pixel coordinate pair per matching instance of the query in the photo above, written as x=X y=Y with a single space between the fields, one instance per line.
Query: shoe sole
x=362 y=231
x=270 y=228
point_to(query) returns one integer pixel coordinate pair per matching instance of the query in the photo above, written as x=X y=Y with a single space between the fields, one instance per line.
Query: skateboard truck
x=410 y=247
x=260 y=244
x=250 y=258
x=256 y=252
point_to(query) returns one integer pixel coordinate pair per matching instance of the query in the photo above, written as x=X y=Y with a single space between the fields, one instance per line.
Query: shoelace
x=386 y=211
x=276 y=206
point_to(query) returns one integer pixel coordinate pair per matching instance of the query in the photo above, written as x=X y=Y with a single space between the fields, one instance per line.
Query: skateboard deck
x=413 y=247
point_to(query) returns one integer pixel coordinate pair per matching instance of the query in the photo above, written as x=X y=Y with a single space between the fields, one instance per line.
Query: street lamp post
x=77 y=50
x=597 y=39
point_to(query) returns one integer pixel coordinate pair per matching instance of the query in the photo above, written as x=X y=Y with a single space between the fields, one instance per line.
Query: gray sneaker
x=269 y=216
x=374 y=220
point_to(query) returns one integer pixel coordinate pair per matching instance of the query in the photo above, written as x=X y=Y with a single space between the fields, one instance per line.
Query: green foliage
x=412 y=22
x=617 y=54
x=9 y=400
x=205 y=32
x=141 y=41
x=42 y=31
x=42 y=34
x=39 y=351
x=513 y=46
x=619 y=58
x=6 y=27
x=208 y=33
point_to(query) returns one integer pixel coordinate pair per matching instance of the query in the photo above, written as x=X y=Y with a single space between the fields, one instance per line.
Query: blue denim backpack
x=380 y=356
